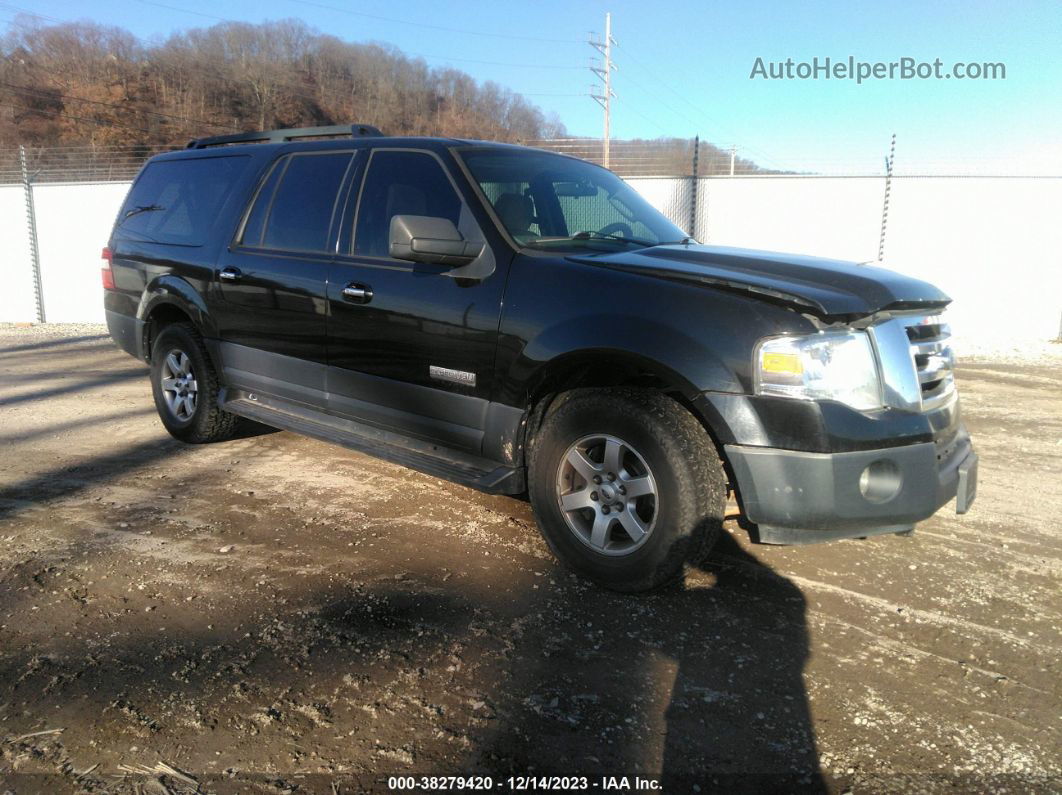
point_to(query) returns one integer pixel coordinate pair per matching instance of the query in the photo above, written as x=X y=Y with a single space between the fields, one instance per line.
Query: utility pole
x=733 y=156
x=605 y=73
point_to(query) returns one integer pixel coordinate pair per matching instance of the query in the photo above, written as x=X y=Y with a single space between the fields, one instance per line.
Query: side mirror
x=422 y=238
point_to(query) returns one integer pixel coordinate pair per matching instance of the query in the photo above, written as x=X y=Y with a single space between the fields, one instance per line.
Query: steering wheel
x=617 y=228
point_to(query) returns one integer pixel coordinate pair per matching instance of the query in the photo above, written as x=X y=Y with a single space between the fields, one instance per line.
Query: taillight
x=106 y=273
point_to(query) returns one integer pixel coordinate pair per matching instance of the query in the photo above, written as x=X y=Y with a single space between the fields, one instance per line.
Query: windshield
x=549 y=201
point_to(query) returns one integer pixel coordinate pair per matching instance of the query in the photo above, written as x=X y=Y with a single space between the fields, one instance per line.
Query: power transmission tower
x=605 y=73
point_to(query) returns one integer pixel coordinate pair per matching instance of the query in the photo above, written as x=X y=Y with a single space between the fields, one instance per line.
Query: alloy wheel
x=607 y=494
x=179 y=387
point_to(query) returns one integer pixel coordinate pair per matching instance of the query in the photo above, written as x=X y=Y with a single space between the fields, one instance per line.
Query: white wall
x=828 y=217
x=993 y=244
x=16 y=289
x=73 y=224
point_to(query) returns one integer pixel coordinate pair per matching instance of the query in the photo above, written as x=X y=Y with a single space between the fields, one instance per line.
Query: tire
x=660 y=448
x=185 y=385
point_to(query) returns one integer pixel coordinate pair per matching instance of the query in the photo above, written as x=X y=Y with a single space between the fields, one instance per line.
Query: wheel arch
x=608 y=368
x=170 y=299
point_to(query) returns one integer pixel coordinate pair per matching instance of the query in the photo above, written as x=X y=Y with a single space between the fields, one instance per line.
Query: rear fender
x=168 y=290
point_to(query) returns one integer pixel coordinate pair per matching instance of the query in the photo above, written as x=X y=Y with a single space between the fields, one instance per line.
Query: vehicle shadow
x=700 y=684
x=739 y=715
x=54 y=343
x=74 y=387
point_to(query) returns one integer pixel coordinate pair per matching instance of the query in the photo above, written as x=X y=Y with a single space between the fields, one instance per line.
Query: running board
x=426 y=457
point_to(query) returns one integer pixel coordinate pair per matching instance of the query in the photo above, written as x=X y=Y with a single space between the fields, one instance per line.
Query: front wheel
x=626 y=486
x=185 y=385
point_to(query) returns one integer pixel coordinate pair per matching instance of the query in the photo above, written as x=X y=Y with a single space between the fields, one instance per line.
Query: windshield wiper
x=621 y=238
x=144 y=208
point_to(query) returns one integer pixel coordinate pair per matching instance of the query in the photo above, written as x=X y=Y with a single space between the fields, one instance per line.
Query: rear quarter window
x=297 y=213
x=177 y=201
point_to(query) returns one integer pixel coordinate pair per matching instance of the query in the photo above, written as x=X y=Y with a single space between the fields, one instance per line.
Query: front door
x=272 y=281
x=409 y=347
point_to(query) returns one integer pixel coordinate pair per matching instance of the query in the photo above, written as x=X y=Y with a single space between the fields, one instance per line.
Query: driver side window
x=401 y=183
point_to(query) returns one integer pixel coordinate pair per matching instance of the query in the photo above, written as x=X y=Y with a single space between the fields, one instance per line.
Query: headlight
x=831 y=365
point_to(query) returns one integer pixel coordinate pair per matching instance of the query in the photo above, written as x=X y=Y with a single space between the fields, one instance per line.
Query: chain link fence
x=665 y=157
x=73 y=164
x=651 y=166
x=662 y=157
x=630 y=159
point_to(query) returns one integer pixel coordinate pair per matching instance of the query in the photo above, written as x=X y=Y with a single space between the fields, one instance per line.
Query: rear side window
x=252 y=230
x=177 y=201
x=401 y=183
x=297 y=213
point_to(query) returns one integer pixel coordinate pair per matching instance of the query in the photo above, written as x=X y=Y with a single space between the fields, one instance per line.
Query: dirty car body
x=439 y=332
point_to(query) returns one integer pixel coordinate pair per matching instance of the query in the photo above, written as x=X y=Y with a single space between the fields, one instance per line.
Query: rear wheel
x=185 y=385
x=626 y=486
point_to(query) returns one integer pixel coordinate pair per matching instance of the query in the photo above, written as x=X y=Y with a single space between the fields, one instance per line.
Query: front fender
x=677 y=357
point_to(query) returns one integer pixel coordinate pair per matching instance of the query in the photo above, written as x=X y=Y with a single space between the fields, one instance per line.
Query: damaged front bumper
x=800 y=497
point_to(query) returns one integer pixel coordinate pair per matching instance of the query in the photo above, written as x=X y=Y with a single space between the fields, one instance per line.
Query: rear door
x=272 y=279
x=409 y=347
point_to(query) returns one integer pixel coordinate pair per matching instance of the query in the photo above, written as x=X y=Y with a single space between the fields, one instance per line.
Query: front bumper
x=800 y=497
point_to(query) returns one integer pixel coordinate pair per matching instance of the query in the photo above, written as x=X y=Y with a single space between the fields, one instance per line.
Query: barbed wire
x=659 y=158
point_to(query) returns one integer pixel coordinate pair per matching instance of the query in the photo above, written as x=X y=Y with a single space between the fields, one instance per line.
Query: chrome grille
x=933 y=359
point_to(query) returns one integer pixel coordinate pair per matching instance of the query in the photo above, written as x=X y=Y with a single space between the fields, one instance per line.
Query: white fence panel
x=827 y=217
x=73 y=224
x=669 y=195
x=16 y=293
x=994 y=245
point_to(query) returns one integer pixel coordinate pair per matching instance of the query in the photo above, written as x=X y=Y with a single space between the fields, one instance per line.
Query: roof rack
x=280 y=136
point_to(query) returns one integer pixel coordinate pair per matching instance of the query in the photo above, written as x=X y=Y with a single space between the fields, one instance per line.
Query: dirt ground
x=275 y=614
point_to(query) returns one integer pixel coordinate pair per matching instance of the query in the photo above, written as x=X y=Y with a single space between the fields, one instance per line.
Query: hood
x=824 y=287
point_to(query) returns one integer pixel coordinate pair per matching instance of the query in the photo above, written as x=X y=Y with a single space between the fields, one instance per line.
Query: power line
x=186 y=11
x=637 y=112
x=342 y=10
x=626 y=76
x=433 y=27
x=298 y=90
x=102 y=122
x=666 y=85
x=495 y=63
x=681 y=96
x=403 y=53
x=47 y=94
x=27 y=12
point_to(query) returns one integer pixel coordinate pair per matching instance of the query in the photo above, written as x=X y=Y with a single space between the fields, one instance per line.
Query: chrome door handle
x=358 y=293
x=230 y=274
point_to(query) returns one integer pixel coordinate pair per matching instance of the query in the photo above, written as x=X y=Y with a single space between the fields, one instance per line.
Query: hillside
x=85 y=84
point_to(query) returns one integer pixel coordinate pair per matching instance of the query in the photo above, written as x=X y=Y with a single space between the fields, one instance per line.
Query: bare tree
x=86 y=83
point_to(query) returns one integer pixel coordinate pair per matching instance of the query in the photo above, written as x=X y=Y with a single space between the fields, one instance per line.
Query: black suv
x=522 y=321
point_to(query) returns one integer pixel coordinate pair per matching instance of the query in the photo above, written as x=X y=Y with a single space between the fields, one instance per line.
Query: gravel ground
x=274 y=614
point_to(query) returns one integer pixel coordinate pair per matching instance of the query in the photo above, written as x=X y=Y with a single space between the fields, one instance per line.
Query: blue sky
x=684 y=66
